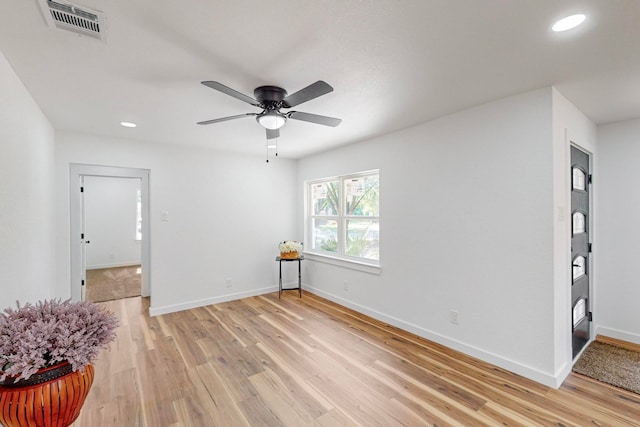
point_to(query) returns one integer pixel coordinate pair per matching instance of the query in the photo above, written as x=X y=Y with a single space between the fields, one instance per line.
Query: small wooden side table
x=299 y=288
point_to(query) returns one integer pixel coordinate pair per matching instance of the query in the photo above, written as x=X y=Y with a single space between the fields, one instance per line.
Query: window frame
x=339 y=257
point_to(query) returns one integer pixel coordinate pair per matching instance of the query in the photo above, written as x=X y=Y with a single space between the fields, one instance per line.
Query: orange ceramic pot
x=53 y=396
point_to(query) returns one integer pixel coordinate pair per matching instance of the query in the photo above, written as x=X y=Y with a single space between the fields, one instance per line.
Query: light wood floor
x=297 y=362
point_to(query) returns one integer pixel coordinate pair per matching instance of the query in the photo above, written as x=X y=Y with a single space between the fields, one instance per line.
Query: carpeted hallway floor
x=113 y=283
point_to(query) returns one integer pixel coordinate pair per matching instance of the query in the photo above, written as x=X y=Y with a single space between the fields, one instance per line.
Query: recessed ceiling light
x=568 y=23
x=128 y=124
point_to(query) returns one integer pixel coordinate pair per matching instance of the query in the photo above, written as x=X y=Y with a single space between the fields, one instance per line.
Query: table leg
x=299 y=278
x=280 y=281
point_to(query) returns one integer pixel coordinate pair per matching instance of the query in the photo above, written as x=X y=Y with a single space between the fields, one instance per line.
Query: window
x=343 y=218
x=579 y=267
x=579 y=221
x=579 y=179
x=579 y=311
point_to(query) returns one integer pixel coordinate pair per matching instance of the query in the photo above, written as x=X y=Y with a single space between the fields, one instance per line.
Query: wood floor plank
x=294 y=377
x=258 y=413
x=191 y=413
x=287 y=406
x=618 y=343
x=504 y=416
x=227 y=412
x=335 y=418
x=235 y=367
x=308 y=361
x=344 y=385
x=438 y=396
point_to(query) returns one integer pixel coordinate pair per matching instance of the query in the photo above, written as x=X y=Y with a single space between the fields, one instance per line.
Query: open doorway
x=113 y=237
x=83 y=254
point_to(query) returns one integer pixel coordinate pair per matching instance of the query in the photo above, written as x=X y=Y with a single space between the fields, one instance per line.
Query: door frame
x=76 y=174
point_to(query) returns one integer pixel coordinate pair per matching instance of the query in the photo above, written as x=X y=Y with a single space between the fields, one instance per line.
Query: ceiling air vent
x=77 y=19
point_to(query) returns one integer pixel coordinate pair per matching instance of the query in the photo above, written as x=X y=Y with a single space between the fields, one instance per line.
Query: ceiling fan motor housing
x=270 y=95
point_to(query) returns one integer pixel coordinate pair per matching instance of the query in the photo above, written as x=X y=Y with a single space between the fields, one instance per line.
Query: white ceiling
x=392 y=63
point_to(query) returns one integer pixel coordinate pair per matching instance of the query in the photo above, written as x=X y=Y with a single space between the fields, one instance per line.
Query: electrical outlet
x=453 y=317
x=345 y=284
x=229 y=282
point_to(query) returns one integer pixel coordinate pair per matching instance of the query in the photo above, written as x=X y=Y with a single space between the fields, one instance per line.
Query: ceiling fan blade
x=314 y=118
x=273 y=133
x=310 y=92
x=231 y=92
x=224 y=119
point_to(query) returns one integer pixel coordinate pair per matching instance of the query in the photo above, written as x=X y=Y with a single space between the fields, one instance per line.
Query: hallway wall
x=26 y=195
x=618 y=231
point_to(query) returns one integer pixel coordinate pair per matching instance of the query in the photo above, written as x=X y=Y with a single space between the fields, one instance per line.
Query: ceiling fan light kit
x=271 y=119
x=273 y=98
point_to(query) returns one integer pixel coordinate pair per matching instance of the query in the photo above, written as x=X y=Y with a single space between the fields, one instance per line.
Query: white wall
x=227 y=213
x=467 y=224
x=618 y=231
x=110 y=206
x=26 y=195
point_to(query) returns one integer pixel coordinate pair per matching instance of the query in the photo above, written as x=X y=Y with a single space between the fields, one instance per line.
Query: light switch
x=164 y=216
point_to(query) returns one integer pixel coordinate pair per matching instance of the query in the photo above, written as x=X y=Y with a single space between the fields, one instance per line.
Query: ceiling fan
x=273 y=98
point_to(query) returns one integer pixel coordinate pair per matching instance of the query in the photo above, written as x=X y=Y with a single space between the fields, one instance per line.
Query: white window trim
x=341 y=260
x=352 y=264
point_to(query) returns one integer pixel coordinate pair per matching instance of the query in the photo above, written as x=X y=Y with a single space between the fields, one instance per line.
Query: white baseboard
x=550 y=380
x=112 y=265
x=156 y=311
x=618 y=334
x=562 y=375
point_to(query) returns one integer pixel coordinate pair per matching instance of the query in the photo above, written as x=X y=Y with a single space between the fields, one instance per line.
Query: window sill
x=345 y=263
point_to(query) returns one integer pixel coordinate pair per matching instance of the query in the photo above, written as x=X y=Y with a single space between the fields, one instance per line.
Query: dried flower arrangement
x=290 y=246
x=37 y=336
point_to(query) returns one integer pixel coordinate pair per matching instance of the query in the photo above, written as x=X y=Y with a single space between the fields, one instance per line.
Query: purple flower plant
x=36 y=336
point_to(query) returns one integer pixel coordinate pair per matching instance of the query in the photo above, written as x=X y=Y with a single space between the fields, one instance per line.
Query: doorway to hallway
x=80 y=240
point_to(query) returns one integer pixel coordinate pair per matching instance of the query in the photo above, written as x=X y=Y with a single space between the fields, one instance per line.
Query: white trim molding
x=617 y=334
x=344 y=263
x=157 y=311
